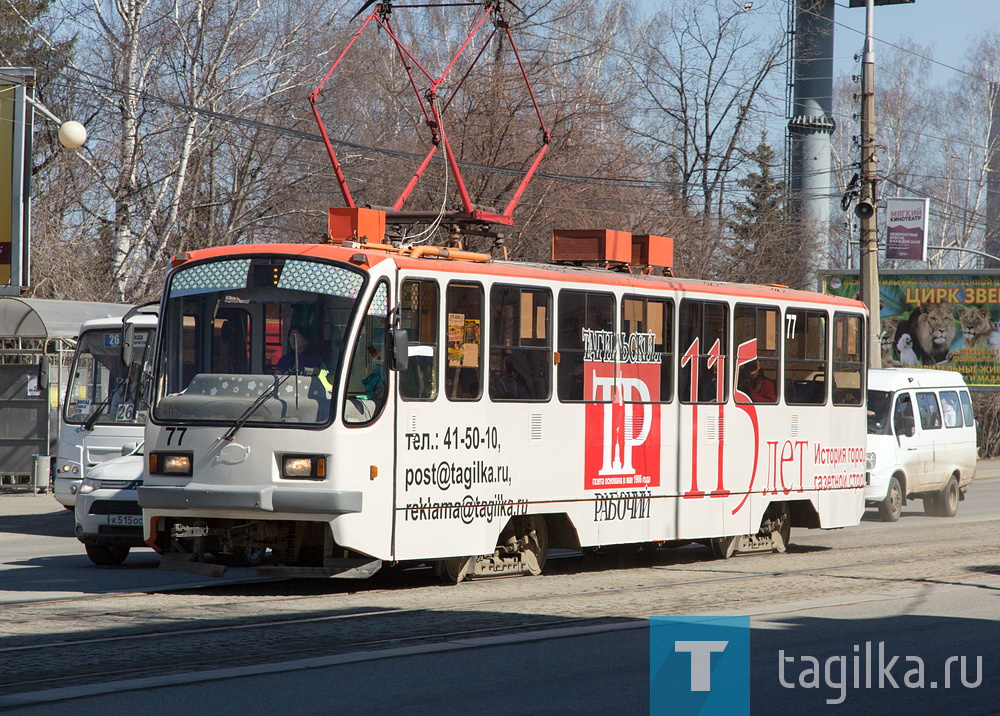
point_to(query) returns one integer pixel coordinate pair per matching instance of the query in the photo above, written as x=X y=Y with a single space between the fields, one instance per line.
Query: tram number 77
x=175 y=432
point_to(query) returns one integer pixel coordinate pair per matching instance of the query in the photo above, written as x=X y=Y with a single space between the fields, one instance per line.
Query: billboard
x=906 y=228
x=16 y=86
x=948 y=320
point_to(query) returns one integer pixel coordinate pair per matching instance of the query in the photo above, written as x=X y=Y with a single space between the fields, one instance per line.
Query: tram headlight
x=870 y=461
x=167 y=463
x=303 y=467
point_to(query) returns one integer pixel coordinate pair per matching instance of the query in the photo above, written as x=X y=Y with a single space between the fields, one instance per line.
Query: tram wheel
x=537 y=544
x=781 y=537
x=724 y=547
x=455 y=569
x=249 y=556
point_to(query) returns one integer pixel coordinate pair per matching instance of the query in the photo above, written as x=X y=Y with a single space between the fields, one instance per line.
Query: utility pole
x=865 y=209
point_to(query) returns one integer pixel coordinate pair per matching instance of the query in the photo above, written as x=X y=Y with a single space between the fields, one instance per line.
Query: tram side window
x=463 y=375
x=755 y=334
x=520 y=343
x=848 y=359
x=805 y=357
x=929 y=411
x=647 y=325
x=580 y=311
x=365 y=393
x=419 y=316
x=703 y=349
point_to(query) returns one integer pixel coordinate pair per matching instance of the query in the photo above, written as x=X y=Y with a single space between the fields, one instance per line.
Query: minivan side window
x=950 y=409
x=902 y=416
x=967 y=408
x=930 y=414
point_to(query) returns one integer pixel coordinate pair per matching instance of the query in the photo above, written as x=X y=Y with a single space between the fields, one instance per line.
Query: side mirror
x=129 y=448
x=399 y=350
x=127 y=352
x=43 y=373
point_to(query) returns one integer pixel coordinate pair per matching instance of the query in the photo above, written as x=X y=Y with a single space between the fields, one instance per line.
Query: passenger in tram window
x=301 y=355
x=374 y=382
x=762 y=388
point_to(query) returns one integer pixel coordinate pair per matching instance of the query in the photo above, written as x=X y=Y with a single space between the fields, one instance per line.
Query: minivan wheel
x=107 y=555
x=891 y=507
x=948 y=498
x=944 y=503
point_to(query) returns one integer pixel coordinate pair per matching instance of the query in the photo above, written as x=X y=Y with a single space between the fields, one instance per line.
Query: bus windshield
x=254 y=340
x=99 y=383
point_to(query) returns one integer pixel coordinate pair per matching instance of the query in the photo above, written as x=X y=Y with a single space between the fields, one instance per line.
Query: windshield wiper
x=254 y=406
x=92 y=419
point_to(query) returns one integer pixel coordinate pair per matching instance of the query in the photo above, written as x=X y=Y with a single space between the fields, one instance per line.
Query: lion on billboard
x=976 y=325
x=932 y=327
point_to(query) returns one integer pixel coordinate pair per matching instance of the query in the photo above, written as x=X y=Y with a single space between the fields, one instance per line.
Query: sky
x=947 y=24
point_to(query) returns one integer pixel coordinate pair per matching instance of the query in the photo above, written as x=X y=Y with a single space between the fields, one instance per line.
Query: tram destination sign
x=946 y=320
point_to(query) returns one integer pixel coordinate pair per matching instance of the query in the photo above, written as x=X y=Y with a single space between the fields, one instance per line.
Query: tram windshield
x=100 y=384
x=254 y=340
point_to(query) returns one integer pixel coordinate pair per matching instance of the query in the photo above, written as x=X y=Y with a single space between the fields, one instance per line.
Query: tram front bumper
x=265 y=499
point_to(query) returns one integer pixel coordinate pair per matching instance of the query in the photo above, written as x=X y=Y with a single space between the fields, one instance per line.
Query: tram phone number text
x=456 y=438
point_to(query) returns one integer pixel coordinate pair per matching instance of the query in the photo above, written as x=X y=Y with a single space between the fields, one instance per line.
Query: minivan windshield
x=878 y=411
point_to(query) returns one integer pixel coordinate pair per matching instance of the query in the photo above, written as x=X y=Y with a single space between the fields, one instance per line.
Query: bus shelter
x=30 y=329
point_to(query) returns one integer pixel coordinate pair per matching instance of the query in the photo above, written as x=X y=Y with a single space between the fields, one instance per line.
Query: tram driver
x=301 y=356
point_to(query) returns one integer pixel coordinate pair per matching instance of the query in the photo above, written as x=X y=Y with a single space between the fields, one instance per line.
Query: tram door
x=703 y=390
x=369 y=416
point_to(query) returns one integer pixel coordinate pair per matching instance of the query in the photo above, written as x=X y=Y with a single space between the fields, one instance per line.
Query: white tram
x=473 y=413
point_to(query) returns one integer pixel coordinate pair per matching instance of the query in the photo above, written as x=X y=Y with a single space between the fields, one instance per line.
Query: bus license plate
x=125 y=520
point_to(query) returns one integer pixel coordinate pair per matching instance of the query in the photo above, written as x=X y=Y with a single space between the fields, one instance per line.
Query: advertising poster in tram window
x=942 y=320
x=623 y=431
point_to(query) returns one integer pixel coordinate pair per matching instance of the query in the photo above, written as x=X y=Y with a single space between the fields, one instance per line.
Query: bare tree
x=703 y=71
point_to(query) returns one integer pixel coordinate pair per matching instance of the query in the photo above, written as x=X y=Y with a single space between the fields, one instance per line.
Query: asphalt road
x=575 y=640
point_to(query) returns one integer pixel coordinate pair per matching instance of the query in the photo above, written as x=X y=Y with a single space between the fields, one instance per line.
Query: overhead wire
x=590 y=180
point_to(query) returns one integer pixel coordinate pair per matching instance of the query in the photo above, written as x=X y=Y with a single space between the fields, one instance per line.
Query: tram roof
x=526 y=270
x=50 y=319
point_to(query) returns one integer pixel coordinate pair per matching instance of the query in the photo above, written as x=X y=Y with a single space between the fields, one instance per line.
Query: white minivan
x=921 y=440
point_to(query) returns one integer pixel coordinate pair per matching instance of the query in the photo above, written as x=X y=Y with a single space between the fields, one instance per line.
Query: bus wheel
x=724 y=547
x=536 y=544
x=453 y=570
x=891 y=507
x=107 y=555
